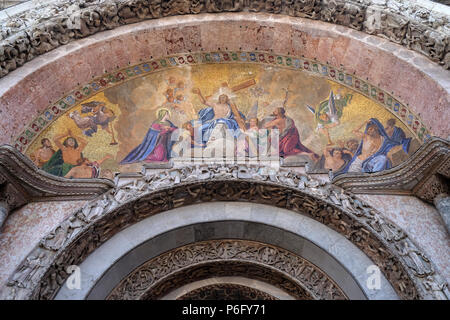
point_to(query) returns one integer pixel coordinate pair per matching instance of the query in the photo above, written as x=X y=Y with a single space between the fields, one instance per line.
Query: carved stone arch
x=147 y=254
x=137 y=197
x=247 y=258
x=211 y=292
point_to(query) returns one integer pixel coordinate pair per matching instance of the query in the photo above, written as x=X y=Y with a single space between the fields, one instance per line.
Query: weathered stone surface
x=137 y=197
x=39 y=29
x=442 y=203
x=25 y=228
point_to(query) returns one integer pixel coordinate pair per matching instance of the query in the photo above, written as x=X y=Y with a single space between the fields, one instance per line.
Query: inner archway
x=271 y=245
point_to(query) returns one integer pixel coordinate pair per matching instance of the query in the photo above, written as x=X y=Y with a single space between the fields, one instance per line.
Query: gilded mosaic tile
x=128 y=117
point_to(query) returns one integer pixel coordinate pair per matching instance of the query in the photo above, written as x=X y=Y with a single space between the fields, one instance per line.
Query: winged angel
x=329 y=112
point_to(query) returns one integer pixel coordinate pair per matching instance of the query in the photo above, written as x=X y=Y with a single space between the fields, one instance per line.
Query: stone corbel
x=11 y=196
x=442 y=204
x=425 y=175
x=436 y=181
x=22 y=182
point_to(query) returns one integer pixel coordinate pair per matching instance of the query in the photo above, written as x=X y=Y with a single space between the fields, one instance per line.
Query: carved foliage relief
x=199 y=261
x=408 y=270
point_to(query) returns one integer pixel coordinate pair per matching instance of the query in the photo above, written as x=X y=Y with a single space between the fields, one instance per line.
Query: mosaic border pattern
x=313 y=67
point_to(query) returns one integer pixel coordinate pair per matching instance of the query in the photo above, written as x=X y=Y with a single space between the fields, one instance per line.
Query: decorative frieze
x=226 y=291
x=442 y=204
x=281 y=268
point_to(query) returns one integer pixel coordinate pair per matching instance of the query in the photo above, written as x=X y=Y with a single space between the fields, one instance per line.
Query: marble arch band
x=134 y=140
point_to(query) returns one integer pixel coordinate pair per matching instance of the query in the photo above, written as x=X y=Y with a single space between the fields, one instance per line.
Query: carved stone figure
x=93 y=210
x=390 y=232
x=415 y=259
x=109 y=16
x=23 y=278
x=143 y=282
x=51 y=285
x=61 y=235
x=439 y=289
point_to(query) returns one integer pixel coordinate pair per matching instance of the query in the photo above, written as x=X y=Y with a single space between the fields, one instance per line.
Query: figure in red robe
x=289 y=143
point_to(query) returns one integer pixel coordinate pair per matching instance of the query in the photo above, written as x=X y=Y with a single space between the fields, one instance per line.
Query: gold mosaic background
x=135 y=104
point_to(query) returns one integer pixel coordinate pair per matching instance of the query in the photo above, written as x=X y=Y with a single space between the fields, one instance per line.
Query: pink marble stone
x=354 y=58
x=282 y=39
x=324 y=52
x=298 y=42
x=311 y=45
x=191 y=38
x=141 y=47
x=421 y=222
x=117 y=52
x=249 y=35
x=264 y=37
x=338 y=50
x=383 y=71
x=174 y=40
x=157 y=45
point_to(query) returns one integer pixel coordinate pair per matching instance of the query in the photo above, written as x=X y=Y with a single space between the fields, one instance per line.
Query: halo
x=221 y=91
x=161 y=109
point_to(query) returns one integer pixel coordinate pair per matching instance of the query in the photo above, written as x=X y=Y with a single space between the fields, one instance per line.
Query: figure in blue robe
x=397 y=135
x=379 y=160
x=206 y=124
x=157 y=144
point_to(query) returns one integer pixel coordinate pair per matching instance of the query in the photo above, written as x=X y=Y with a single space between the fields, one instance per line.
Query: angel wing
x=313 y=111
x=332 y=111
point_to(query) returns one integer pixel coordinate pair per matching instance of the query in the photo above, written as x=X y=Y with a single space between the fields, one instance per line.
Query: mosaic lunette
x=149 y=119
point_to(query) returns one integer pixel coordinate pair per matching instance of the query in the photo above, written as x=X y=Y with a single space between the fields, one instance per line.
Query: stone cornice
x=430 y=165
x=424 y=174
x=417 y=25
x=23 y=182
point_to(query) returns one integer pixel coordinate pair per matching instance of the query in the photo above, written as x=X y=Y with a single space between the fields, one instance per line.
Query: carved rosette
x=198 y=261
x=139 y=196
